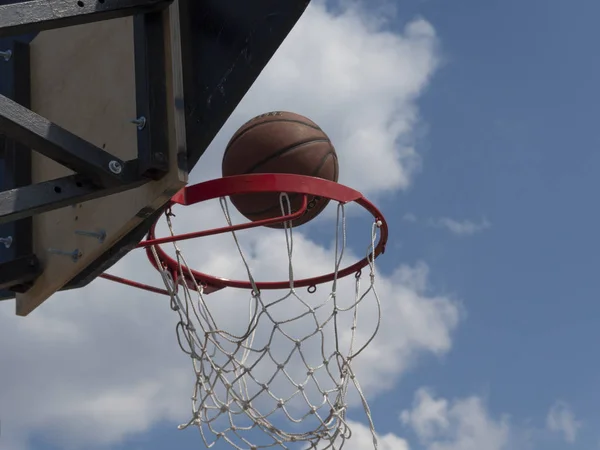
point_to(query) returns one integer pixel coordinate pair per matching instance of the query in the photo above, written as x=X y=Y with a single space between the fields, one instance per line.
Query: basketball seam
x=283 y=151
x=322 y=163
x=252 y=127
x=293 y=196
x=336 y=167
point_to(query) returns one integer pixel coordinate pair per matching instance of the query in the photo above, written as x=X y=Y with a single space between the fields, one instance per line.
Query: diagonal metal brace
x=27 y=201
x=64 y=147
x=40 y=15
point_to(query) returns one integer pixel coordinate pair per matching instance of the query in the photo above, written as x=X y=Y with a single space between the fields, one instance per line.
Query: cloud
x=459 y=228
x=441 y=424
x=463 y=424
x=97 y=365
x=561 y=419
x=362 y=439
x=428 y=417
x=409 y=217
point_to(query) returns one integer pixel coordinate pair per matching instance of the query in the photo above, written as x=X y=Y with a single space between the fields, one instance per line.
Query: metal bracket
x=16 y=274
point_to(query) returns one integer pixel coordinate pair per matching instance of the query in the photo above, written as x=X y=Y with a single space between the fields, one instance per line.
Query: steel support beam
x=64 y=147
x=17 y=273
x=27 y=201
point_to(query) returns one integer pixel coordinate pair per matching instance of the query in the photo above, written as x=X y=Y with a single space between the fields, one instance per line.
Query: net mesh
x=283 y=380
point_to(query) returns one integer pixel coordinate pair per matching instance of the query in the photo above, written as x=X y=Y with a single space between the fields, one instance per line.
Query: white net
x=283 y=381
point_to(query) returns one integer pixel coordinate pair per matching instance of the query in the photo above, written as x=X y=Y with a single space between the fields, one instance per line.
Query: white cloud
x=461 y=228
x=99 y=364
x=362 y=439
x=428 y=417
x=409 y=217
x=561 y=419
x=466 y=424
x=463 y=424
x=457 y=227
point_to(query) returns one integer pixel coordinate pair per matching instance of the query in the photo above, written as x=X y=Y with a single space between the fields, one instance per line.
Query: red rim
x=248 y=184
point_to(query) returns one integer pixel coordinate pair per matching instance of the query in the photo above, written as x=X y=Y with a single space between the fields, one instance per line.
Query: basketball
x=280 y=142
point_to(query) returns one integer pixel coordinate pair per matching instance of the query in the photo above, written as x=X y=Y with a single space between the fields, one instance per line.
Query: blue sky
x=512 y=137
x=495 y=208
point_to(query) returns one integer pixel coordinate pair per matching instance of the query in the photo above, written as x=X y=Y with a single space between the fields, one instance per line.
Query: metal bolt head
x=74 y=255
x=115 y=167
x=6 y=55
x=140 y=122
x=7 y=241
x=100 y=235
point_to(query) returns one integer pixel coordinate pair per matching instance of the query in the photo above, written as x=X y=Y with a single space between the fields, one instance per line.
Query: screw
x=115 y=167
x=7 y=54
x=101 y=235
x=7 y=241
x=140 y=122
x=75 y=254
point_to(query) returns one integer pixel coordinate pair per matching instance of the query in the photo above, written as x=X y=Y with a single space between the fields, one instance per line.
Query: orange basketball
x=280 y=142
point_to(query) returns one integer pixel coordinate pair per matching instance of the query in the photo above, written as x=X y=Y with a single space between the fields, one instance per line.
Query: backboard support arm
x=34 y=131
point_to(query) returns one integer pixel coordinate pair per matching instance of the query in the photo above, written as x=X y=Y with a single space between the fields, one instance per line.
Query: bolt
x=7 y=54
x=7 y=241
x=101 y=235
x=140 y=122
x=115 y=167
x=74 y=255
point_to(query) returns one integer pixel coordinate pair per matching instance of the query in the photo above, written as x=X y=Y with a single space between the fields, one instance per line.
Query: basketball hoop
x=244 y=394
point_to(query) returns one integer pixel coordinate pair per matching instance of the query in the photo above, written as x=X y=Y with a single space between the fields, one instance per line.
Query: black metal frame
x=15 y=174
x=98 y=173
x=225 y=46
x=151 y=94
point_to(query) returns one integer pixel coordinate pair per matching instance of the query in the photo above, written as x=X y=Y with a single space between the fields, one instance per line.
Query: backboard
x=105 y=108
